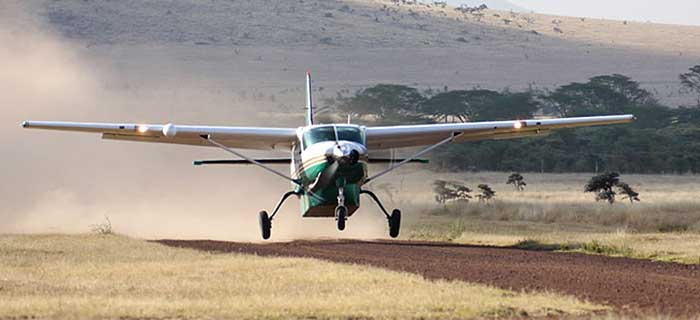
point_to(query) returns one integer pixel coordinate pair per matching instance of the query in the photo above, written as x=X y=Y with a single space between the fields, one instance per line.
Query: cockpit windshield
x=316 y=135
x=332 y=133
x=349 y=134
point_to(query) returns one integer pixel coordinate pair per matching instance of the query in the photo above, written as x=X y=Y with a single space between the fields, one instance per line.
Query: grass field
x=94 y=276
x=555 y=213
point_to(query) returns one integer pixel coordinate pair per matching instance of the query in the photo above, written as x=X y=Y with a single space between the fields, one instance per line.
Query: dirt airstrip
x=627 y=284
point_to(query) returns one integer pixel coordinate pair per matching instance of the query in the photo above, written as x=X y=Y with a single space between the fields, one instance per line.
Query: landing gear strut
x=394 y=219
x=266 y=221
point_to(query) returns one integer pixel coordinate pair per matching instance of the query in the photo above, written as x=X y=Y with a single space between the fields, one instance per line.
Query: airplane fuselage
x=329 y=159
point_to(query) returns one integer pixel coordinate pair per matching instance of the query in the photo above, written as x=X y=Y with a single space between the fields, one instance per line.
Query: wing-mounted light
x=519 y=125
x=169 y=130
x=142 y=128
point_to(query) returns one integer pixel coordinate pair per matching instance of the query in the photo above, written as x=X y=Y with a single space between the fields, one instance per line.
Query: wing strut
x=416 y=155
x=251 y=160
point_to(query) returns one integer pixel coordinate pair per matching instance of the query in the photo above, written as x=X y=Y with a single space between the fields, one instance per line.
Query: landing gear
x=265 y=225
x=266 y=221
x=394 y=219
x=341 y=215
x=341 y=212
x=394 y=223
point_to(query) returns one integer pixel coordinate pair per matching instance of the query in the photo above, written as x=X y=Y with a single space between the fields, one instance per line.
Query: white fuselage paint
x=319 y=152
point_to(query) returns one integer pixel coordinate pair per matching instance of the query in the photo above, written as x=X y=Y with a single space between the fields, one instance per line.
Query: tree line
x=606 y=187
x=662 y=140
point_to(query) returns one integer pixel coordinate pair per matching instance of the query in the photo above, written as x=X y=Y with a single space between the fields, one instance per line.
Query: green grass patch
x=535 y=245
x=605 y=249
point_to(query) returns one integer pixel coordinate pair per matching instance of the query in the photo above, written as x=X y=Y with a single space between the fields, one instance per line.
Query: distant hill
x=265 y=45
x=493 y=4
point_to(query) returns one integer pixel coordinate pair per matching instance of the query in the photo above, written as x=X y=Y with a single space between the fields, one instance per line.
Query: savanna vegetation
x=664 y=139
x=555 y=213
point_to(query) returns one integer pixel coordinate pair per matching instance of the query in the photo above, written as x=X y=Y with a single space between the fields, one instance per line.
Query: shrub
x=104 y=228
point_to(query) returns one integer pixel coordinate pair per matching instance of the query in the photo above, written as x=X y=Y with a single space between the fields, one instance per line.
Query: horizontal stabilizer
x=263 y=161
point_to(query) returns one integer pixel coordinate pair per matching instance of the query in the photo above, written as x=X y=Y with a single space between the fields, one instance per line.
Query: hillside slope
x=354 y=43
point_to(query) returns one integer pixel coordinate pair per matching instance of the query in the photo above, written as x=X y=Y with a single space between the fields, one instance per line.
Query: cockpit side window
x=350 y=134
x=319 y=134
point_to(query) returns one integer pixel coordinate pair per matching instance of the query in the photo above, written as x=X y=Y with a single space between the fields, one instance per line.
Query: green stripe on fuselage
x=324 y=201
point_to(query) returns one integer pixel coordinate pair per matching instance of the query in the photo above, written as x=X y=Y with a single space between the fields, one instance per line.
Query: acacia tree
x=602 y=185
x=691 y=81
x=608 y=94
x=625 y=87
x=450 y=191
x=628 y=192
x=388 y=103
x=479 y=105
x=517 y=180
x=486 y=193
x=446 y=105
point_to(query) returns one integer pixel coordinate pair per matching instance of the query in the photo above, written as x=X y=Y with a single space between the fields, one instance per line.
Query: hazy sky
x=669 y=11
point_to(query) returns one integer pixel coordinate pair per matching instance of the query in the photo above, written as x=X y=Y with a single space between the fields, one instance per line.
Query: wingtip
x=308 y=72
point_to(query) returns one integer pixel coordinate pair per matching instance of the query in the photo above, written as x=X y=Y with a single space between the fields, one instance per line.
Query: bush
x=599 y=248
x=104 y=228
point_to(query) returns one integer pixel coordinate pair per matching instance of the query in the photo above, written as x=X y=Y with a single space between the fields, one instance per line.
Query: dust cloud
x=65 y=182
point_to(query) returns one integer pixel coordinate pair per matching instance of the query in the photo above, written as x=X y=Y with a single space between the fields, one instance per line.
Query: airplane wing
x=232 y=137
x=428 y=134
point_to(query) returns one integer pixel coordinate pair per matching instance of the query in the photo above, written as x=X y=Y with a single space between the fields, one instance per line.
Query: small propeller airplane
x=328 y=162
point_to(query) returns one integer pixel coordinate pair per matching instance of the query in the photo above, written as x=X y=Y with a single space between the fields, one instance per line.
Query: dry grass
x=554 y=210
x=117 y=277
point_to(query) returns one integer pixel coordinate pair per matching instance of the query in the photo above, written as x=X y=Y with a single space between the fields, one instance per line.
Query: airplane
x=328 y=162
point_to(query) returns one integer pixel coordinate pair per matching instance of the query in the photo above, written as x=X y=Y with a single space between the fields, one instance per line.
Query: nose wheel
x=341 y=212
x=341 y=215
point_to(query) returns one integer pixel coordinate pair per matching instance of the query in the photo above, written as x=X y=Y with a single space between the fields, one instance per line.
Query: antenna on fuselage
x=309 y=101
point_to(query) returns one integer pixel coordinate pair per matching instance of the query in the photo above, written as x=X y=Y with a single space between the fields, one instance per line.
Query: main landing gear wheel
x=394 y=223
x=341 y=214
x=265 y=225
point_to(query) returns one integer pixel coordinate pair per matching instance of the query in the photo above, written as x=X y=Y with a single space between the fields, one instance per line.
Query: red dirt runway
x=627 y=284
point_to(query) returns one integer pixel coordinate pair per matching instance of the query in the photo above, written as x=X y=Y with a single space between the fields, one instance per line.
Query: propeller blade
x=326 y=177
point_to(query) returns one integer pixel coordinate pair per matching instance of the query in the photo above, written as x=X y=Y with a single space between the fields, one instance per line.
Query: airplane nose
x=353 y=157
x=338 y=152
x=346 y=155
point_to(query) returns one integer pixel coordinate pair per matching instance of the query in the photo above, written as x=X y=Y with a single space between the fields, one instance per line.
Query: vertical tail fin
x=309 y=101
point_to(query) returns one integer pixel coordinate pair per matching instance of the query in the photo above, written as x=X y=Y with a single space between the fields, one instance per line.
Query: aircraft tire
x=341 y=214
x=395 y=223
x=265 y=225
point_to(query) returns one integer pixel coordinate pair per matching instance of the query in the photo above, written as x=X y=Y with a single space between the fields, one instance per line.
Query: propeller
x=327 y=176
x=340 y=157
